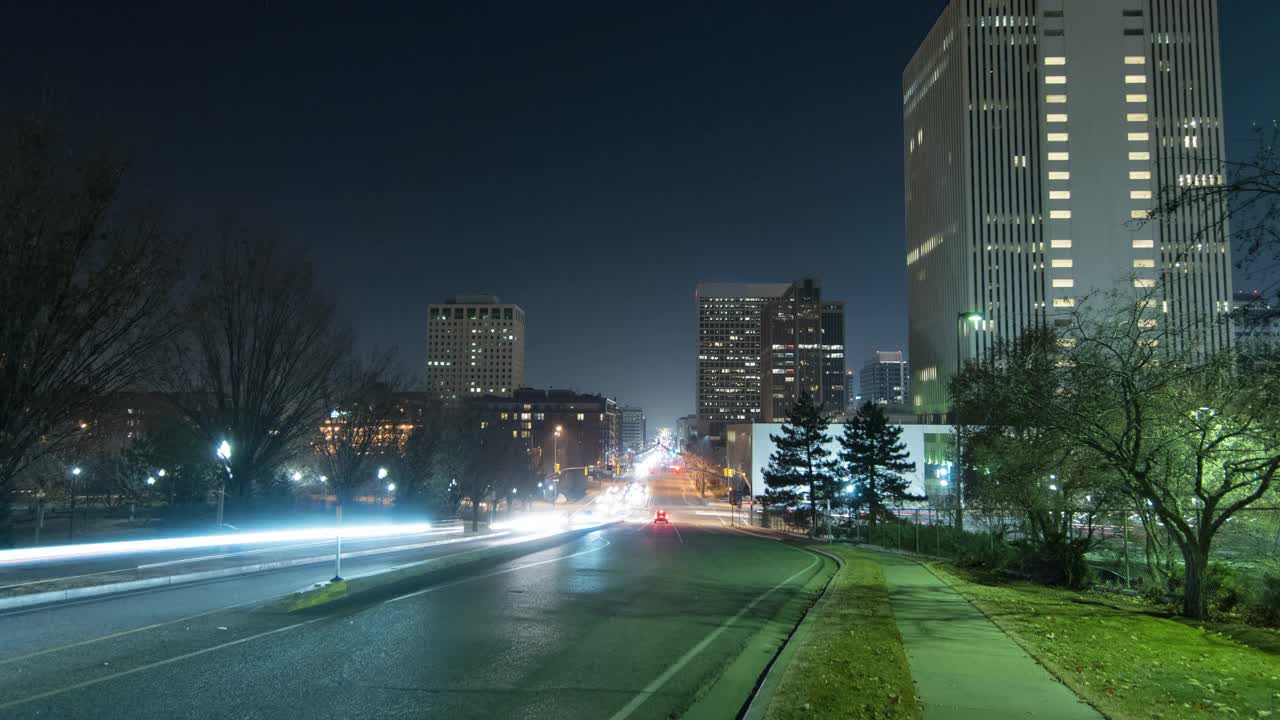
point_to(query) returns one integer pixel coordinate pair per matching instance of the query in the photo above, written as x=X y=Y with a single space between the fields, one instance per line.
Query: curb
x=758 y=704
x=57 y=596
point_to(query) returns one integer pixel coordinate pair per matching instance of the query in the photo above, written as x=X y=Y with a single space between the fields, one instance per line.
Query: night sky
x=590 y=161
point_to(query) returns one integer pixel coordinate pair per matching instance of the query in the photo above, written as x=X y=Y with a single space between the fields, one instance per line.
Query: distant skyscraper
x=475 y=347
x=835 y=393
x=729 y=351
x=1256 y=321
x=792 y=349
x=633 y=428
x=885 y=379
x=1036 y=135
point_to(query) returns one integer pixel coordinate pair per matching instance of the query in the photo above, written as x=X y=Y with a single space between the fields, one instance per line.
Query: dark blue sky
x=590 y=161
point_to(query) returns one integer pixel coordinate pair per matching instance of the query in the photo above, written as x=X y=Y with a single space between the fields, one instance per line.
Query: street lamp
x=391 y=487
x=151 y=480
x=224 y=452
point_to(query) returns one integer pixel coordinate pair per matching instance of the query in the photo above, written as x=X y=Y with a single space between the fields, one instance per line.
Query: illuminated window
x=1191 y=141
x=1060 y=244
x=1139 y=137
x=1147 y=323
x=1055 y=99
x=1055 y=117
x=581 y=416
x=1144 y=283
x=1135 y=60
x=1136 y=97
x=1136 y=117
x=1144 y=263
x=1059 y=175
x=1139 y=194
x=1062 y=263
x=1138 y=214
x=1143 y=244
x=1064 y=282
x=1055 y=79
x=1059 y=156
x=1055 y=60
x=1064 y=302
x=1060 y=214
x=1059 y=194
x=1139 y=174
x=1057 y=137
x=1134 y=79
x=1139 y=155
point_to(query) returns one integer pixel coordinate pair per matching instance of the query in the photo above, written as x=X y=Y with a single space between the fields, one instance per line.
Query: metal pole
x=337 y=556
x=1126 y=550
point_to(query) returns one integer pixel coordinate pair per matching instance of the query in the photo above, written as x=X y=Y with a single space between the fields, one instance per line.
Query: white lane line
x=678 y=535
x=481 y=576
x=670 y=672
x=121 y=633
x=152 y=666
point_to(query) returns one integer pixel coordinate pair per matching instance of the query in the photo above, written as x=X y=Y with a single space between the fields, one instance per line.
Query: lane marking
x=154 y=665
x=494 y=573
x=121 y=633
x=678 y=535
x=693 y=652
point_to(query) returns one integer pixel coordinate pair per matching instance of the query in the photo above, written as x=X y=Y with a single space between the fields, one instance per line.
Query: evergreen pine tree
x=873 y=455
x=801 y=459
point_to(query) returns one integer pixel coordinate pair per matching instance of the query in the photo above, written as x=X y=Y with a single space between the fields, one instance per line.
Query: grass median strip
x=852 y=664
x=1125 y=660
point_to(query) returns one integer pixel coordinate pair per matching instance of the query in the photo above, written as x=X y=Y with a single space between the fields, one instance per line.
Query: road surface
x=630 y=621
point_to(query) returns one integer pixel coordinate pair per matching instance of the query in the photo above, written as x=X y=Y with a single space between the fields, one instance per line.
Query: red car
x=661 y=517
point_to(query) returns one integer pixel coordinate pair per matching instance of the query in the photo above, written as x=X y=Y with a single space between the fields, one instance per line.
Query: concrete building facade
x=475 y=347
x=1037 y=135
x=885 y=379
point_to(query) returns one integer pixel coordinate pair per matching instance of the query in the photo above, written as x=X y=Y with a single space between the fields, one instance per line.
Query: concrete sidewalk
x=962 y=664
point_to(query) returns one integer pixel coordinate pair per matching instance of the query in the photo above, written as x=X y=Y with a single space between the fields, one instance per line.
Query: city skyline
x=711 y=173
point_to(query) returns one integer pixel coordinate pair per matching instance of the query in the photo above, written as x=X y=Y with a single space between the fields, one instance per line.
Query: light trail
x=46 y=553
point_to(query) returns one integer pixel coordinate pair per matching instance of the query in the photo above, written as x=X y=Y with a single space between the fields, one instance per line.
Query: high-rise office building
x=885 y=379
x=729 y=348
x=633 y=428
x=475 y=347
x=791 y=349
x=834 y=390
x=1036 y=136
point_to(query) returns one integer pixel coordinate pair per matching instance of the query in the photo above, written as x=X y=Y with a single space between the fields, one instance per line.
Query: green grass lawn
x=1124 y=658
x=851 y=664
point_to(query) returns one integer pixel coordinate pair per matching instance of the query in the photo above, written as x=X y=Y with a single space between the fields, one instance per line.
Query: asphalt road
x=633 y=620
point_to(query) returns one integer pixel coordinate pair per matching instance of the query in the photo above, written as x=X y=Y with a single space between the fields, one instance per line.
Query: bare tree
x=85 y=295
x=363 y=426
x=1241 y=196
x=255 y=365
x=479 y=458
x=1181 y=431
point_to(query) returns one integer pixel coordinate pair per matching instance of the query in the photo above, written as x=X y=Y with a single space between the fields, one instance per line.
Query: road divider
x=403 y=581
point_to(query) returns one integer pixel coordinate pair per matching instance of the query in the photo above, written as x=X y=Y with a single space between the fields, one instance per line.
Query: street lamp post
x=962 y=319
x=555 y=459
x=224 y=452
x=71 y=521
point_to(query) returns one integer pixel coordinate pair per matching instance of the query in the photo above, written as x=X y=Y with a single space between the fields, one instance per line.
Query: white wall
x=761 y=447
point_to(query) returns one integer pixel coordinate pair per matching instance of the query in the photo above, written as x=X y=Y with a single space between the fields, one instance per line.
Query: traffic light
x=557 y=468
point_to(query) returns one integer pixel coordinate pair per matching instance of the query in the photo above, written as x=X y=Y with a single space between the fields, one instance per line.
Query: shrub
x=1266 y=611
x=1224 y=589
